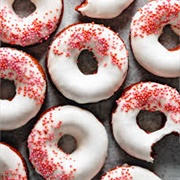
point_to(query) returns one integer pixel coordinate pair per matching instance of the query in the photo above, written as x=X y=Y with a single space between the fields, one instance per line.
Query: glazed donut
x=32 y=29
x=146 y=27
x=109 y=51
x=53 y=163
x=29 y=79
x=103 y=9
x=12 y=165
x=127 y=172
x=145 y=96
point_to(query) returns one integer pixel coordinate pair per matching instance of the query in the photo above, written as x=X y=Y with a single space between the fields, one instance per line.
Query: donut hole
x=67 y=143
x=23 y=8
x=151 y=121
x=169 y=39
x=7 y=89
x=87 y=62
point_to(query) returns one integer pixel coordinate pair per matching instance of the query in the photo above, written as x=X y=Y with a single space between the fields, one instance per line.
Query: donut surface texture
x=109 y=51
x=145 y=96
x=127 y=172
x=104 y=9
x=29 y=79
x=146 y=27
x=12 y=165
x=33 y=28
x=51 y=161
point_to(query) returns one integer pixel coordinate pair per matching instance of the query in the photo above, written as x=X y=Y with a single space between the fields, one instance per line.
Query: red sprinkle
x=22 y=31
x=88 y=36
x=44 y=142
x=152 y=97
x=154 y=16
x=23 y=69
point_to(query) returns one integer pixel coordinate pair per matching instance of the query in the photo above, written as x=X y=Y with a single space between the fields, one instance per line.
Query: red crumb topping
x=154 y=16
x=26 y=73
x=90 y=36
x=152 y=97
x=44 y=151
x=28 y=30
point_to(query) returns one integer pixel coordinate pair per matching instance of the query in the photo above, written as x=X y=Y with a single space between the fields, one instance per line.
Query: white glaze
x=11 y=164
x=145 y=96
x=127 y=172
x=109 y=51
x=32 y=29
x=30 y=88
x=83 y=163
x=104 y=9
x=148 y=51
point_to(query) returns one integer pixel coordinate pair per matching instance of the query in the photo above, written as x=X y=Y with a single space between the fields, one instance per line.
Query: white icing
x=11 y=164
x=30 y=88
x=104 y=9
x=130 y=173
x=128 y=134
x=32 y=29
x=147 y=50
x=109 y=51
x=91 y=137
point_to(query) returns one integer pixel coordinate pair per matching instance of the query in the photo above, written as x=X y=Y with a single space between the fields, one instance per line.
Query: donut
x=146 y=27
x=51 y=161
x=12 y=165
x=29 y=79
x=32 y=29
x=128 y=172
x=103 y=9
x=109 y=51
x=149 y=96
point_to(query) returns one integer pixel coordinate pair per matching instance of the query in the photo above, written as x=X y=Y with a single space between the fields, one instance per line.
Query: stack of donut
x=48 y=125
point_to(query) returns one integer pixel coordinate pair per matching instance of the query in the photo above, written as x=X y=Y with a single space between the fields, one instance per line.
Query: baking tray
x=167 y=161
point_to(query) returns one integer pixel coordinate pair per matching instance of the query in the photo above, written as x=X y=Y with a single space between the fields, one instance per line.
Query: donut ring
x=145 y=96
x=109 y=51
x=127 y=172
x=146 y=27
x=12 y=165
x=50 y=161
x=103 y=9
x=32 y=29
x=29 y=79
